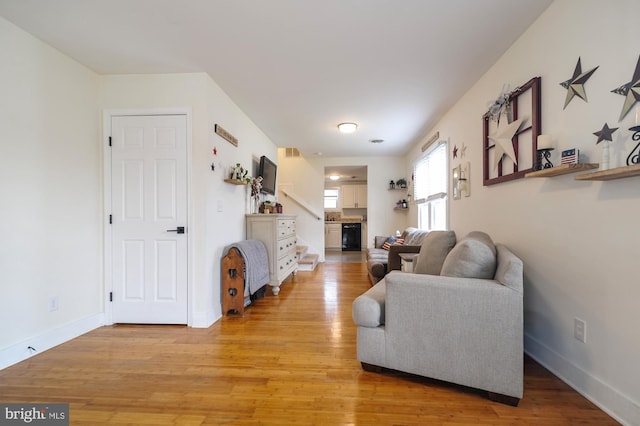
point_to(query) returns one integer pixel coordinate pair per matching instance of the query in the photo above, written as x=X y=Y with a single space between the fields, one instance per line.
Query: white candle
x=544 y=142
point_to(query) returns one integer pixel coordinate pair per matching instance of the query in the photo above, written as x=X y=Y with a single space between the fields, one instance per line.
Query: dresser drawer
x=286 y=263
x=286 y=245
x=286 y=227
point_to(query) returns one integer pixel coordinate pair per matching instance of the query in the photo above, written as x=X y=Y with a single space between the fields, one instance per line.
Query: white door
x=149 y=219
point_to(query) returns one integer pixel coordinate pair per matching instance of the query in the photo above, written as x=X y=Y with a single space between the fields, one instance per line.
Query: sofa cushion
x=408 y=230
x=474 y=256
x=368 y=308
x=377 y=254
x=435 y=247
x=415 y=237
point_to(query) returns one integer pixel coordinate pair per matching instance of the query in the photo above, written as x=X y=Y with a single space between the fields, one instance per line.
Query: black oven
x=351 y=236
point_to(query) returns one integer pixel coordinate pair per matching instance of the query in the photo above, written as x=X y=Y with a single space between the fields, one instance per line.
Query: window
x=331 y=198
x=430 y=183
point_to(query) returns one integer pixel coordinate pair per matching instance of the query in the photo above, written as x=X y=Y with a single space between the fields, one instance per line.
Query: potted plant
x=238 y=172
x=401 y=183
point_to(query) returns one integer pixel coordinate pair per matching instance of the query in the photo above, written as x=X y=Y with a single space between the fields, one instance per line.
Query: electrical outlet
x=580 y=330
x=53 y=304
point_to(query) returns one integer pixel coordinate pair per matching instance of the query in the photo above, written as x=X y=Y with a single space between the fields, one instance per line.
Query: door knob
x=179 y=230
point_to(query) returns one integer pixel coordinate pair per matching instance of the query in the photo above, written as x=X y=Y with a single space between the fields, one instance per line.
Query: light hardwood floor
x=290 y=360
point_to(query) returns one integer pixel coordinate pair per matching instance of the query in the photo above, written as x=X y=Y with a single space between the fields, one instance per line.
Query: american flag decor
x=569 y=156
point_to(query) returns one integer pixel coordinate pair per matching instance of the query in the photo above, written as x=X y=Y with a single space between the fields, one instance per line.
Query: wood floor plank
x=291 y=359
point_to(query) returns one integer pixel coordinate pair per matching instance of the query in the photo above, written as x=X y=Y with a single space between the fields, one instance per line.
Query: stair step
x=308 y=262
x=309 y=258
x=301 y=250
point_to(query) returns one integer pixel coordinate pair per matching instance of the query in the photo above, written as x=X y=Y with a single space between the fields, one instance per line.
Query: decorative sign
x=570 y=156
x=226 y=135
x=510 y=149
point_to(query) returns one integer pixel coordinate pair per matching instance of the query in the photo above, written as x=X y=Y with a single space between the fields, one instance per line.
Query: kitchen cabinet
x=333 y=236
x=354 y=196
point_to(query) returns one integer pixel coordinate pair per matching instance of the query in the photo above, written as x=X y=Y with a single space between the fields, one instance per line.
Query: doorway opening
x=345 y=212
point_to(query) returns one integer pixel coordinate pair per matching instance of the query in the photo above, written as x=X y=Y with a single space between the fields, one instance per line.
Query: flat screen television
x=268 y=171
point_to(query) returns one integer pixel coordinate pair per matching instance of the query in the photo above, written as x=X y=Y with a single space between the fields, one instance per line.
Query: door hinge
x=109 y=140
x=110 y=219
x=110 y=296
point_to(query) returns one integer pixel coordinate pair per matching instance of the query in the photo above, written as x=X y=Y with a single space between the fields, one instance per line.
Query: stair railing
x=301 y=203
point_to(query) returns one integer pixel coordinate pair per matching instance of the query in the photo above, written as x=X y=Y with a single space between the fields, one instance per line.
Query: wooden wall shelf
x=236 y=182
x=611 y=174
x=562 y=169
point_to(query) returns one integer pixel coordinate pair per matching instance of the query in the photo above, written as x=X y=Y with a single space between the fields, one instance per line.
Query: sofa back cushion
x=474 y=256
x=415 y=237
x=435 y=248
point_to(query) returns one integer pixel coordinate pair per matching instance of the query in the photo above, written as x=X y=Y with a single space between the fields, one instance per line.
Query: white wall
x=50 y=214
x=305 y=177
x=210 y=229
x=578 y=240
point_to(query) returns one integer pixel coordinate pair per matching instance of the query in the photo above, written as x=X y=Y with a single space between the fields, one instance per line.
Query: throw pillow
x=473 y=257
x=435 y=247
x=392 y=241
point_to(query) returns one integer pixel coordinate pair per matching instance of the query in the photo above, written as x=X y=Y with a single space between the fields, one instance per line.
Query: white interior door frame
x=107 y=115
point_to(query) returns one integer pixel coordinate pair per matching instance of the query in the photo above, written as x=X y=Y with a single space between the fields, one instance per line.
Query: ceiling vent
x=291 y=152
x=376 y=140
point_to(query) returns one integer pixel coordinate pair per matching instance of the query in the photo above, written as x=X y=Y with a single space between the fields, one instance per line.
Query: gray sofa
x=381 y=261
x=464 y=326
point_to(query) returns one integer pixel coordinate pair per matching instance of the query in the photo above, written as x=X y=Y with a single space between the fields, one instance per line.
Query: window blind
x=430 y=175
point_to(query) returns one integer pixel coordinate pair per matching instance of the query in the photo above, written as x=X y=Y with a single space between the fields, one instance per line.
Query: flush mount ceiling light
x=334 y=177
x=347 y=127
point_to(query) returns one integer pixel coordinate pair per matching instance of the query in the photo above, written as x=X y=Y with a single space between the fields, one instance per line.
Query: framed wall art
x=510 y=137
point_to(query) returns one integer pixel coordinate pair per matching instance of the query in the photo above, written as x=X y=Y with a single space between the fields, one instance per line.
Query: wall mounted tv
x=268 y=171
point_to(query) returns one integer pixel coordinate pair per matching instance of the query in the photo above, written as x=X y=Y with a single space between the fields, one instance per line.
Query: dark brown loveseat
x=381 y=261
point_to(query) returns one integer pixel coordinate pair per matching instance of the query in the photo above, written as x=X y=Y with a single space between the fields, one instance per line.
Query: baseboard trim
x=22 y=350
x=203 y=319
x=619 y=406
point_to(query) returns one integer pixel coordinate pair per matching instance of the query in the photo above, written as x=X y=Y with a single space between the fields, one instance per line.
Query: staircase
x=306 y=261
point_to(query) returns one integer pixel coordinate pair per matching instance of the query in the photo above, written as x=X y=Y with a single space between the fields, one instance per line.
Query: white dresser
x=278 y=233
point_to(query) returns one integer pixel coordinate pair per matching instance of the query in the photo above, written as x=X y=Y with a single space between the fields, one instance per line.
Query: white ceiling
x=299 y=67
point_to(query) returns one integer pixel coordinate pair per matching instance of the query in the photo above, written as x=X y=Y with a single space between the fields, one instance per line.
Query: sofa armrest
x=379 y=240
x=462 y=330
x=394 y=262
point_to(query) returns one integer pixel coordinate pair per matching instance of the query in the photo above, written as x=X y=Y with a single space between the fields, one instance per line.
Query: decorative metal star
x=463 y=151
x=455 y=151
x=575 y=85
x=631 y=92
x=504 y=142
x=605 y=133
x=215 y=151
